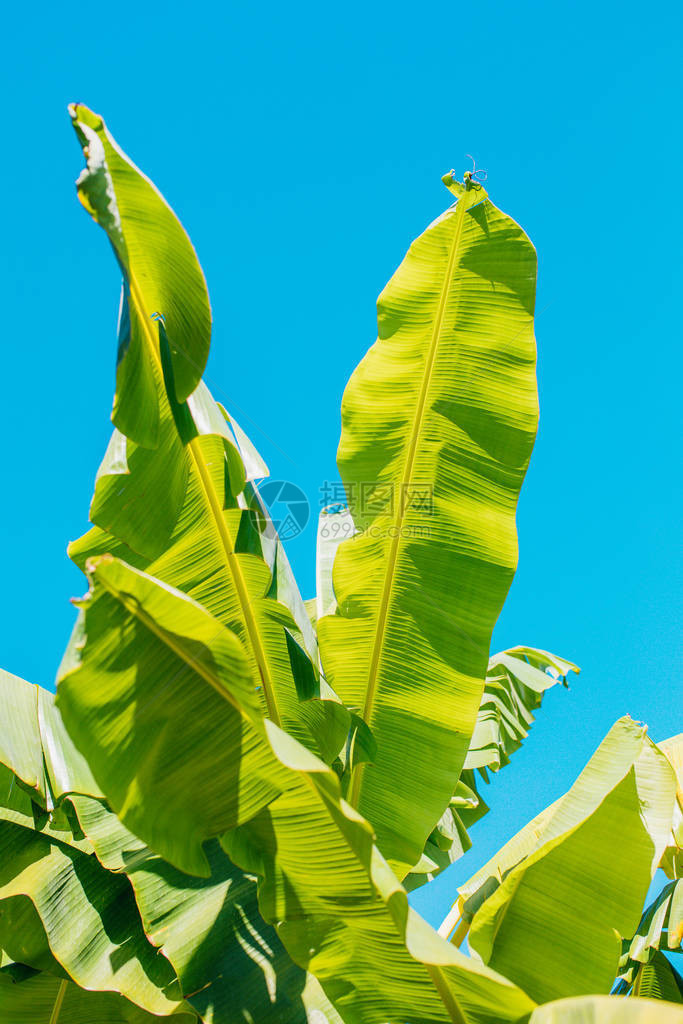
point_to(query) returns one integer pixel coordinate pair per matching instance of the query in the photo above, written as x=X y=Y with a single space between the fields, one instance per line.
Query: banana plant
x=219 y=816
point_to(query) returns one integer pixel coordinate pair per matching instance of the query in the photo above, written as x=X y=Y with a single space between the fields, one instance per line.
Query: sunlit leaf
x=438 y=423
x=161 y=275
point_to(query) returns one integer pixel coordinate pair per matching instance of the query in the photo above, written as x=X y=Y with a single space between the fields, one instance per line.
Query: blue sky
x=302 y=145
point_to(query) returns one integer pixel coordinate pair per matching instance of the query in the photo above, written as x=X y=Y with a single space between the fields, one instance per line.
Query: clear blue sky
x=302 y=146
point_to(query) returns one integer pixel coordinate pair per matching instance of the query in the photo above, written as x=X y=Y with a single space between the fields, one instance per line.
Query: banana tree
x=219 y=816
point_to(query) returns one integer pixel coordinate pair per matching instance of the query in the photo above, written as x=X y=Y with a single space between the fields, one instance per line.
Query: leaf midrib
x=213 y=503
x=462 y=206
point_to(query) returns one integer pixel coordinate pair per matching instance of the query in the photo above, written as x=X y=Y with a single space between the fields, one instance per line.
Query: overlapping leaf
x=197 y=537
x=46 y=886
x=549 y=909
x=49 y=876
x=230 y=964
x=660 y=927
x=340 y=912
x=438 y=423
x=223 y=551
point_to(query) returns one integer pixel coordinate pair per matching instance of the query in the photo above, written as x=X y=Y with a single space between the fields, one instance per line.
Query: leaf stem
x=56 y=1009
x=460 y=933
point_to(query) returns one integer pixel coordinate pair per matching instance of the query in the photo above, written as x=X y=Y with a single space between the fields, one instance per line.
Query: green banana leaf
x=35 y=747
x=83 y=916
x=43 y=999
x=438 y=423
x=223 y=551
x=60 y=911
x=339 y=911
x=552 y=906
x=161 y=275
x=658 y=979
x=660 y=927
x=151 y=713
x=194 y=475
x=515 y=683
x=129 y=474
x=230 y=964
x=607 y=1010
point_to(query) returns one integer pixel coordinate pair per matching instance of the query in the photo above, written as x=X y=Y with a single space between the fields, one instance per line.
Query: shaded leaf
x=42 y=999
x=339 y=911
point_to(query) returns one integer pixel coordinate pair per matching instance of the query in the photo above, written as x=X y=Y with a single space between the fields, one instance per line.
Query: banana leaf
x=660 y=927
x=438 y=423
x=35 y=747
x=515 y=683
x=607 y=1010
x=339 y=911
x=672 y=860
x=230 y=964
x=161 y=275
x=658 y=979
x=40 y=998
x=195 y=474
x=83 y=916
x=223 y=551
x=552 y=906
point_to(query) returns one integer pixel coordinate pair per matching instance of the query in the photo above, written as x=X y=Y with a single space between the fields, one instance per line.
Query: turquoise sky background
x=302 y=145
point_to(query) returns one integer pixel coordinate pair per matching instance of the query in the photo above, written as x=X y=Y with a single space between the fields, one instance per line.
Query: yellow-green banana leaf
x=438 y=423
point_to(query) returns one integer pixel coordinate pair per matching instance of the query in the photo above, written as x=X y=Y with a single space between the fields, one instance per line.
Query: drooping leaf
x=438 y=423
x=516 y=681
x=35 y=747
x=550 y=912
x=148 y=706
x=87 y=917
x=161 y=275
x=230 y=964
x=660 y=927
x=339 y=911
